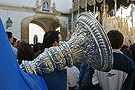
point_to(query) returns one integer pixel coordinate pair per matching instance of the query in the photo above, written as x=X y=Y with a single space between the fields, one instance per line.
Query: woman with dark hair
x=25 y=52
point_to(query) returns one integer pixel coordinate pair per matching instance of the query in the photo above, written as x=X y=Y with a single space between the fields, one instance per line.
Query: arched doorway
x=35 y=39
x=45 y=21
x=35 y=30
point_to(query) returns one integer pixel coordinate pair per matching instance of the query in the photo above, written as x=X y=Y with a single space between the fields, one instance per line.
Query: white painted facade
x=35 y=30
x=18 y=16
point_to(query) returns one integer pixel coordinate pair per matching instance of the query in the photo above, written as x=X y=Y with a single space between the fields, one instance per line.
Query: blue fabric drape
x=56 y=80
x=11 y=76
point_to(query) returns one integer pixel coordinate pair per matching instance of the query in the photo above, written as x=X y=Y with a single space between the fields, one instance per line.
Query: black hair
x=9 y=34
x=116 y=38
x=25 y=52
x=14 y=40
x=36 y=47
x=49 y=38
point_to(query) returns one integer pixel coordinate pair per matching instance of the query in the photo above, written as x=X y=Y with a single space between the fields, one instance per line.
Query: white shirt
x=15 y=50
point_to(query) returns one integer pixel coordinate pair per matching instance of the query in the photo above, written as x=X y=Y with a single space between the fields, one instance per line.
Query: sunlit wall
x=35 y=30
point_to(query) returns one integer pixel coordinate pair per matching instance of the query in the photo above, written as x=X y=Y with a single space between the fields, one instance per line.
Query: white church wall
x=62 y=5
x=28 y=3
x=65 y=19
x=18 y=16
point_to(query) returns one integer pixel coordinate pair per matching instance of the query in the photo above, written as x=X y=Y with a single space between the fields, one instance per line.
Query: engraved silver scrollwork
x=88 y=44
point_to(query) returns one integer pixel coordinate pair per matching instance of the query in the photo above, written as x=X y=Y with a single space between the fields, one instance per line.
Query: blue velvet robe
x=11 y=76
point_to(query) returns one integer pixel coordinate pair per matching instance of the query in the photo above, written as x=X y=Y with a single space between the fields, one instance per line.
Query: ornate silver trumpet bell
x=88 y=44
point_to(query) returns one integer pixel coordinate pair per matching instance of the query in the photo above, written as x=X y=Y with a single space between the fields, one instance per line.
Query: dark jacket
x=121 y=62
x=85 y=78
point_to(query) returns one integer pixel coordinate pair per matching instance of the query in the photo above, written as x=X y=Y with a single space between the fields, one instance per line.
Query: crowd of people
x=81 y=76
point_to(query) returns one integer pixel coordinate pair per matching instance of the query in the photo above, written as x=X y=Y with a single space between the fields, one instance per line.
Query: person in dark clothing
x=132 y=48
x=121 y=76
x=56 y=80
x=36 y=49
x=126 y=51
x=85 y=78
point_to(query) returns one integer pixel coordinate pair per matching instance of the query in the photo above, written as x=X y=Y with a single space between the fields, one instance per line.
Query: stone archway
x=25 y=25
x=40 y=24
